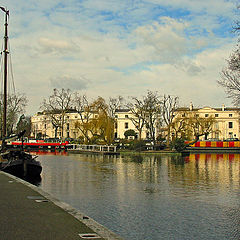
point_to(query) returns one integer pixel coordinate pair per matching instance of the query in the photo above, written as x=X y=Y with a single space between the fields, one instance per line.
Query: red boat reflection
x=41 y=152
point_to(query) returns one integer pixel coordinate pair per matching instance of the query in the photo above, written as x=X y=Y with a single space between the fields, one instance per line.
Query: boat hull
x=20 y=164
x=16 y=168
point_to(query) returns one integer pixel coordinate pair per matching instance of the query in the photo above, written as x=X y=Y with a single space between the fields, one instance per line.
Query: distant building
x=226 y=123
x=226 y=120
x=124 y=122
x=43 y=126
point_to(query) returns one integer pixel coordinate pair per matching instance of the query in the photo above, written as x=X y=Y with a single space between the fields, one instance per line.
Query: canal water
x=151 y=197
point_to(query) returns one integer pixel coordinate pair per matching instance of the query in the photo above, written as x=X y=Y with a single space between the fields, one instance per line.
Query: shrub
x=129 y=133
x=137 y=145
x=178 y=144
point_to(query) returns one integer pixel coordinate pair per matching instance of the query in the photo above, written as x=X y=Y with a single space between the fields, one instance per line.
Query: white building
x=124 y=122
x=43 y=126
x=226 y=123
x=226 y=120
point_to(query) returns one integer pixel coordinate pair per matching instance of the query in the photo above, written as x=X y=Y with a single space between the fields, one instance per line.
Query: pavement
x=26 y=212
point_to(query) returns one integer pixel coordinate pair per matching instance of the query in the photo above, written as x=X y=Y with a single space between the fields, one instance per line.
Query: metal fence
x=94 y=148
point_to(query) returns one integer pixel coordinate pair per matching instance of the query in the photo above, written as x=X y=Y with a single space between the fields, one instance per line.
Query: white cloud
x=166 y=39
x=109 y=47
x=67 y=82
x=47 y=45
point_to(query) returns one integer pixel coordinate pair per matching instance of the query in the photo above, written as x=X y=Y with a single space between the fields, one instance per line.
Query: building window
x=230 y=115
x=116 y=116
x=206 y=115
x=126 y=125
x=116 y=125
x=230 y=124
x=216 y=115
x=126 y=116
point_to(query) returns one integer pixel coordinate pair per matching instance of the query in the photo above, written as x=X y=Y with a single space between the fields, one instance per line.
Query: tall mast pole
x=5 y=51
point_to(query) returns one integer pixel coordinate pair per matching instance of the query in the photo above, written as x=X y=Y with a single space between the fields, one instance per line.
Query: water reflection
x=50 y=152
x=151 y=197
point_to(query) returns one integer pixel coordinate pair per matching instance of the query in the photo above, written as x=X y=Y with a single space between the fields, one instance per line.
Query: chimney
x=223 y=107
x=191 y=106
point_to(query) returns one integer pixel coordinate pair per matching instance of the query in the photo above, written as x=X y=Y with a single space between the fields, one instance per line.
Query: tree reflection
x=137 y=158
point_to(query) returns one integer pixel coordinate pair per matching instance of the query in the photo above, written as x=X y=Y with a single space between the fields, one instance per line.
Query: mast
x=5 y=51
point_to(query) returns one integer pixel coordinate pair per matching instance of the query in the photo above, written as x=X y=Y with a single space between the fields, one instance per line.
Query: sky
x=109 y=48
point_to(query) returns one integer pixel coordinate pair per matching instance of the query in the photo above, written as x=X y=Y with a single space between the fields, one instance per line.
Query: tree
x=56 y=107
x=114 y=104
x=96 y=121
x=83 y=108
x=153 y=110
x=169 y=106
x=102 y=125
x=130 y=133
x=146 y=113
x=136 y=107
x=16 y=104
x=230 y=75
x=24 y=123
x=189 y=125
x=179 y=126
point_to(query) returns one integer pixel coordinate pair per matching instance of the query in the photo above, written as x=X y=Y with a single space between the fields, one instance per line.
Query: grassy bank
x=150 y=152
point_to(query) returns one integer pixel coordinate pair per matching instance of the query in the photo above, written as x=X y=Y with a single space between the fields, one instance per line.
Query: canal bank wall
x=27 y=212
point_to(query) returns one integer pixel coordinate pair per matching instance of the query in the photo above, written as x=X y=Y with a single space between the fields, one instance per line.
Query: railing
x=94 y=148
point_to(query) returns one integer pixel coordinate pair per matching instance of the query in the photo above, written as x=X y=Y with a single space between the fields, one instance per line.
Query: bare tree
x=136 y=107
x=230 y=75
x=83 y=108
x=146 y=113
x=56 y=107
x=16 y=106
x=113 y=105
x=169 y=106
x=189 y=125
x=152 y=107
x=230 y=78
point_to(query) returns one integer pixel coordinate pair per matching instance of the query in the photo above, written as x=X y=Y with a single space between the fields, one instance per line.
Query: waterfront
x=151 y=197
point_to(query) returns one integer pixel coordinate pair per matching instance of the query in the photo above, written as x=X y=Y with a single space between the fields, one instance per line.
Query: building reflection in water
x=164 y=192
x=194 y=171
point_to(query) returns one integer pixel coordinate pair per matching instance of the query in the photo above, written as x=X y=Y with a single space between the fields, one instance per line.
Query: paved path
x=26 y=212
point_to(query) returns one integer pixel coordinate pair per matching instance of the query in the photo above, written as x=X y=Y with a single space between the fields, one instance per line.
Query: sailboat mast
x=5 y=51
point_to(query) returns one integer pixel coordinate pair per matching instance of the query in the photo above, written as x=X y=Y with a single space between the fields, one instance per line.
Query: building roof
x=217 y=109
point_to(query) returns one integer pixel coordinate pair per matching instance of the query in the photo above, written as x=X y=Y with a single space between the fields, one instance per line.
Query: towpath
x=27 y=213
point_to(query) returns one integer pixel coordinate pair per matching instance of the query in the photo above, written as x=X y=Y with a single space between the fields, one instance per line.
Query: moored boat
x=15 y=162
x=20 y=164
